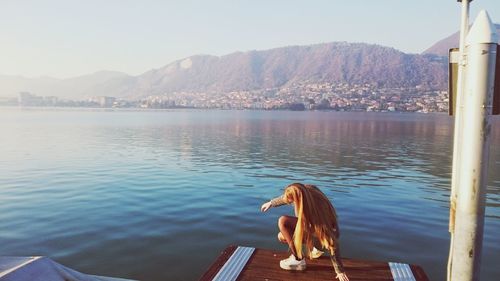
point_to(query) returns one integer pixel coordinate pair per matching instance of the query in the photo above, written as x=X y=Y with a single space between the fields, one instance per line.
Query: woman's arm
x=278 y=201
x=275 y=202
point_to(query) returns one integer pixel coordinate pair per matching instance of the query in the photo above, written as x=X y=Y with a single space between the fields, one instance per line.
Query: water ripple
x=100 y=191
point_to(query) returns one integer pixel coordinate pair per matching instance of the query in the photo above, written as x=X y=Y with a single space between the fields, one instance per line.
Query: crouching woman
x=314 y=226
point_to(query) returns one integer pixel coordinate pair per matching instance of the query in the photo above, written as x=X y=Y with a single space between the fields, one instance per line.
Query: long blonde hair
x=316 y=218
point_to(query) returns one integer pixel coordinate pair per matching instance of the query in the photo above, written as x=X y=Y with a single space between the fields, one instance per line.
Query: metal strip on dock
x=401 y=272
x=235 y=264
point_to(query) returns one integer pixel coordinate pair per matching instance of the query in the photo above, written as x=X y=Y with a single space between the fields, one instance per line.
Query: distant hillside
x=441 y=47
x=75 y=88
x=330 y=62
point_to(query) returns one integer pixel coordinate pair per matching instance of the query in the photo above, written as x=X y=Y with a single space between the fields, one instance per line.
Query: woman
x=315 y=224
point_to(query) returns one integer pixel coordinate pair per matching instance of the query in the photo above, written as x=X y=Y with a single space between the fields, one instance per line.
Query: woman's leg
x=287 y=225
x=281 y=238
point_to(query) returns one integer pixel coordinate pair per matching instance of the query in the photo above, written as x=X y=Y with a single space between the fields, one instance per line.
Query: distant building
x=102 y=101
x=28 y=99
x=106 y=101
x=50 y=101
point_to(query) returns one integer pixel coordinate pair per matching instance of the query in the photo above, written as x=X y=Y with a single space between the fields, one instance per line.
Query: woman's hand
x=265 y=206
x=342 y=277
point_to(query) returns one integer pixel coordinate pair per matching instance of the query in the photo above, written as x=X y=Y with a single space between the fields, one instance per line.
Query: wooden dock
x=243 y=263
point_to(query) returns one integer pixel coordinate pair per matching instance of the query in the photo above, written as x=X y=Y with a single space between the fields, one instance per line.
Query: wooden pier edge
x=218 y=263
x=418 y=272
x=258 y=268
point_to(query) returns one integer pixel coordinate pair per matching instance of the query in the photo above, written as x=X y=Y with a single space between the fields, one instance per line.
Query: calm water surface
x=157 y=195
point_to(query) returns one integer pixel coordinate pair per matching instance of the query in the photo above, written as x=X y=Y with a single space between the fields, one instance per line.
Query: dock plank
x=264 y=265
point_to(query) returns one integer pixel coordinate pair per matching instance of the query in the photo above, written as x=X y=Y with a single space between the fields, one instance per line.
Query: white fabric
x=42 y=269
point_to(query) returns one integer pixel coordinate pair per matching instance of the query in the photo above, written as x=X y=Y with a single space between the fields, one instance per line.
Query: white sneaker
x=293 y=264
x=315 y=253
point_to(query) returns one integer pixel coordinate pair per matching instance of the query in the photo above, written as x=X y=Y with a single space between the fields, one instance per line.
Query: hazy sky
x=65 y=38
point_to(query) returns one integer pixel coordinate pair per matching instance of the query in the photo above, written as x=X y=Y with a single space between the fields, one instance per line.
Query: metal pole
x=464 y=25
x=474 y=149
x=457 y=137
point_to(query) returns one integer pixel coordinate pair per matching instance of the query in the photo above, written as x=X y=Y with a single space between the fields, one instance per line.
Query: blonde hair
x=316 y=218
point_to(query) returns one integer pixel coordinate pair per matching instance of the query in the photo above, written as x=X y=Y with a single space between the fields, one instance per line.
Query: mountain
x=340 y=62
x=74 y=88
x=89 y=84
x=330 y=62
x=441 y=47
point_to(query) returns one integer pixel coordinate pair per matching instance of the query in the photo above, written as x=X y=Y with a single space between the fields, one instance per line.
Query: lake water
x=157 y=195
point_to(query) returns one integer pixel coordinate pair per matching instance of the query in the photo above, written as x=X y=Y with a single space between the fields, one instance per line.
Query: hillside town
x=298 y=96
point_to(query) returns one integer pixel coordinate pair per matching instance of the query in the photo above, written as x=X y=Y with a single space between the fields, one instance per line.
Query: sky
x=68 y=38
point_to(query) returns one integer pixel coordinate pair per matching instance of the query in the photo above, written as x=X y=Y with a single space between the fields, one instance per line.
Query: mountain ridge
x=72 y=87
x=279 y=67
x=442 y=47
x=338 y=62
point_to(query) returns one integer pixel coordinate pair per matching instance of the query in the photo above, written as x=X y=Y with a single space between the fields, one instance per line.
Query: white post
x=474 y=149
x=457 y=136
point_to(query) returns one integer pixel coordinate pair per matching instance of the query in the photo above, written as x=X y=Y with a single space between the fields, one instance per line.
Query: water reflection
x=170 y=188
x=319 y=145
